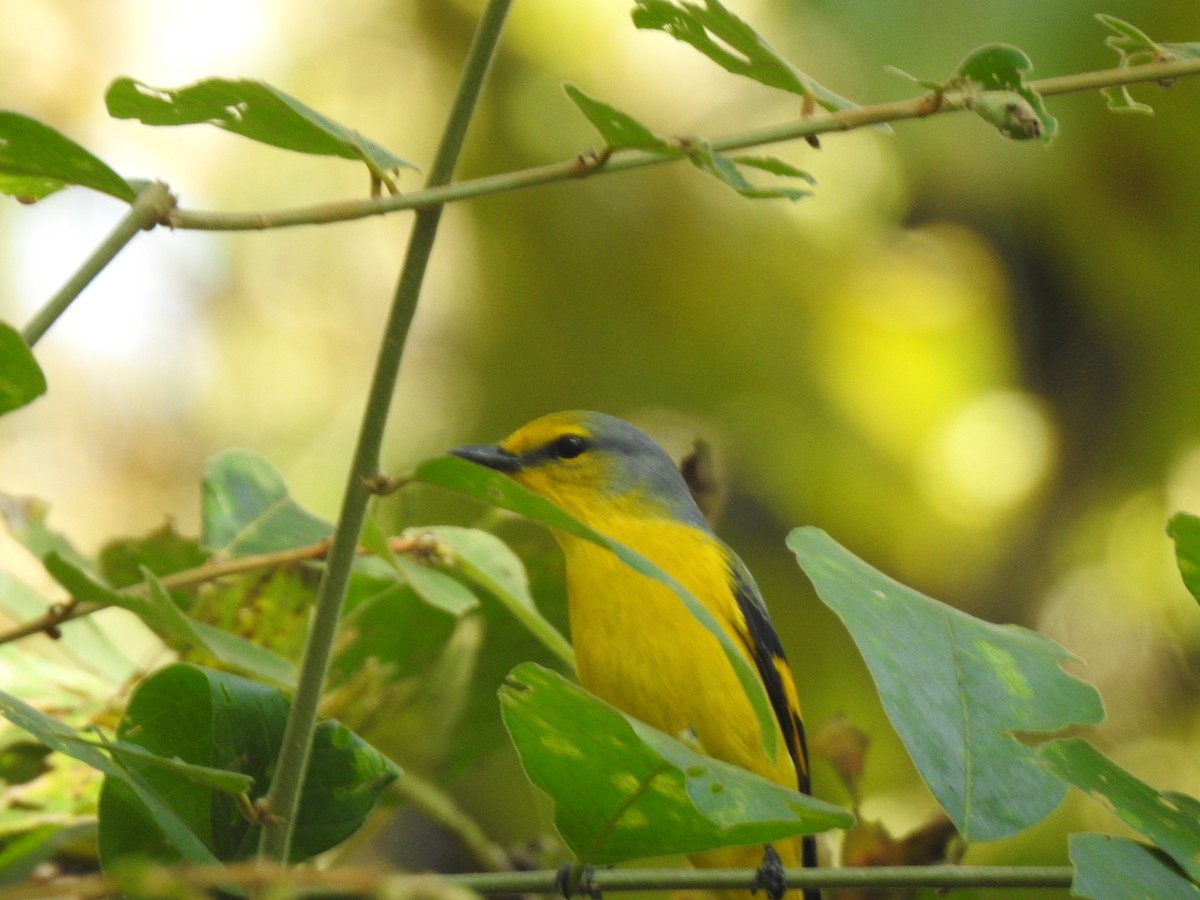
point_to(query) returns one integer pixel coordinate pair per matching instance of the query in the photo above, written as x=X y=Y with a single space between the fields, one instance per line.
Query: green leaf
x=158 y=611
x=1168 y=819
x=229 y=649
x=163 y=551
x=733 y=45
x=221 y=780
x=956 y=689
x=36 y=160
x=619 y=130
x=253 y=109
x=495 y=488
x=247 y=509
x=1190 y=50
x=1184 y=530
x=996 y=74
x=1135 y=48
x=407 y=677
x=623 y=790
x=487 y=562
x=387 y=621
x=726 y=170
x=775 y=166
x=161 y=816
x=221 y=721
x=1119 y=100
x=436 y=588
x=1114 y=868
x=21 y=378
x=433 y=586
x=267 y=606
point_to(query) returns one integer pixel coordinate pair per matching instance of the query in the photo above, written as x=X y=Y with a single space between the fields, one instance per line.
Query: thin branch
x=305 y=881
x=592 y=164
x=938 y=877
x=283 y=797
x=73 y=609
x=151 y=207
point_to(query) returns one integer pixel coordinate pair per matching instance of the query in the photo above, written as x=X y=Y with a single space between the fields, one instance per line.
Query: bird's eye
x=570 y=446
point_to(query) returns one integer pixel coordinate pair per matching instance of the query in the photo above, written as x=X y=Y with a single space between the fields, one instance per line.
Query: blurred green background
x=974 y=362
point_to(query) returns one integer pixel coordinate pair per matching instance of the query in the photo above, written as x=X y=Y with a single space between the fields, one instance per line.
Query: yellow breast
x=638 y=648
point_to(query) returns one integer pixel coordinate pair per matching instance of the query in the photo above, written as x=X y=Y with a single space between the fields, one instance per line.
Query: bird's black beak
x=491 y=456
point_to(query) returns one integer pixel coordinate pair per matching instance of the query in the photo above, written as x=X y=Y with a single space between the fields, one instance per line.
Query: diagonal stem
x=149 y=208
x=283 y=797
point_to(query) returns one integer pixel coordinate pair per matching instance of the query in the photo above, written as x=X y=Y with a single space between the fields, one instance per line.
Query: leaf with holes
x=623 y=790
x=1171 y=820
x=733 y=45
x=253 y=109
x=956 y=689
x=996 y=74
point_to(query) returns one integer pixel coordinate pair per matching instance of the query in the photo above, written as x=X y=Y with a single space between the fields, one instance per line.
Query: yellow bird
x=637 y=646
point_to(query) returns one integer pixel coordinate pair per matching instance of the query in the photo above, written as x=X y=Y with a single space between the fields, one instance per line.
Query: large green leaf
x=956 y=689
x=253 y=109
x=1114 y=868
x=247 y=509
x=21 y=378
x=161 y=815
x=495 y=488
x=36 y=160
x=1169 y=819
x=623 y=790
x=733 y=45
x=221 y=721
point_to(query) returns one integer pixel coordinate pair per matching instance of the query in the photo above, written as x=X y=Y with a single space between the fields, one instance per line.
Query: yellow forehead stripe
x=542 y=431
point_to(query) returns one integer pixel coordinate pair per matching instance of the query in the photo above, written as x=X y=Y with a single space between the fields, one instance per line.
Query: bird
x=637 y=646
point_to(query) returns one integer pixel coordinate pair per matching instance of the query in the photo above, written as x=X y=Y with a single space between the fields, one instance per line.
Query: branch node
x=382 y=485
x=590 y=161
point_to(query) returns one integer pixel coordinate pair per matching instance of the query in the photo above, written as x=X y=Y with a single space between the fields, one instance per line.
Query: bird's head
x=593 y=466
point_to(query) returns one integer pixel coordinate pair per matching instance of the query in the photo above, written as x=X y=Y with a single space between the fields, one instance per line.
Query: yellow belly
x=638 y=648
